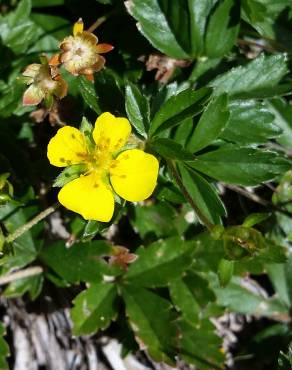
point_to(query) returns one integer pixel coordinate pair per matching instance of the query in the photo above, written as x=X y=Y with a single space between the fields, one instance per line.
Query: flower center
x=99 y=161
x=81 y=53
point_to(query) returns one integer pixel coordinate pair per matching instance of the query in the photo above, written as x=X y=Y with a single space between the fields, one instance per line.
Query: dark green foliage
x=206 y=86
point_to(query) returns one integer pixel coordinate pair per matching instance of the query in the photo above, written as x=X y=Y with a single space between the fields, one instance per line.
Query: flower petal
x=33 y=95
x=67 y=147
x=89 y=37
x=111 y=133
x=78 y=27
x=32 y=70
x=134 y=175
x=103 y=48
x=89 y=197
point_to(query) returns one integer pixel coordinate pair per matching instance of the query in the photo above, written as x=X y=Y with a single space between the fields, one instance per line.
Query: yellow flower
x=80 y=53
x=110 y=167
x=45 y=83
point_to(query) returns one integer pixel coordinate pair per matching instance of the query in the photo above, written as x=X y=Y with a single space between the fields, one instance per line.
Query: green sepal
x=68 y=174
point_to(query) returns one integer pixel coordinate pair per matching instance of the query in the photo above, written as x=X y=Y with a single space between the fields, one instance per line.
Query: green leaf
x=282 y=111
x=179 y=107
x=170 y=149
x=25 y=247
x=184 y=300
x=68 y=174
x=201 y=347
x=190 y=294
x=222 y=28
x=245 y=298
x=250 y=122
x=243 y=166
x=203 y=194
x=158 y=219
x=138 y=110
x=81 y=262
x=94 y=308
x=57 y=27
x=10 y=98
x=4 y=349
x=261 y=73
x=160 y=262
x=152 y=323
x=255 y=218
x=199 y=11
x=45 y=3
x=225 y=271
x=32 y=285
x=17 y=30
x=178 y=28
x=88 y=93
x=164 y=24
x=211 y=124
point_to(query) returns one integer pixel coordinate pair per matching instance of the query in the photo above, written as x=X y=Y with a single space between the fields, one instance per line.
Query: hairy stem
x=30 y=271
x=24 y=228
x=98 y=22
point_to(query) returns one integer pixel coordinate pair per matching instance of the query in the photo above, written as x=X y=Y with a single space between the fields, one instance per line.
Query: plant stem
x=24 y=228
x=31 y=271
x=188 y=197
x=98 y=22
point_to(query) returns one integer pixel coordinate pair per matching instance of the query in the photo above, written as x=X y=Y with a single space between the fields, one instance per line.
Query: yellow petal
x=67 y=147
x=78 y=27
x=134 y=175
x=89 y=197
x=111 y=133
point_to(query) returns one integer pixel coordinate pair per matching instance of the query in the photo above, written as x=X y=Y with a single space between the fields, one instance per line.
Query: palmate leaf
x=94 y=308
x=17 y=30
x=253 y=79
x=177 y=108
x=170 y=149
x=202 y=346
x=212 y=122
x=251 y=122
x=282 y=111
x=188 y=28
x=81 y=262
x=138 y=110
x=152 y=321
x=190 y=294
x=244 y=297
x=222 y=28
x=160 y=262
x=203 y=194
x=88 y=94
x=157 y=219
x=243 y=166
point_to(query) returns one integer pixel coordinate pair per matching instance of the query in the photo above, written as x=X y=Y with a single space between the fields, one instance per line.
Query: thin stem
x=257 y=199
x=24 y=228
x=188 y=197
x=31 y=271
x=98 y=22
